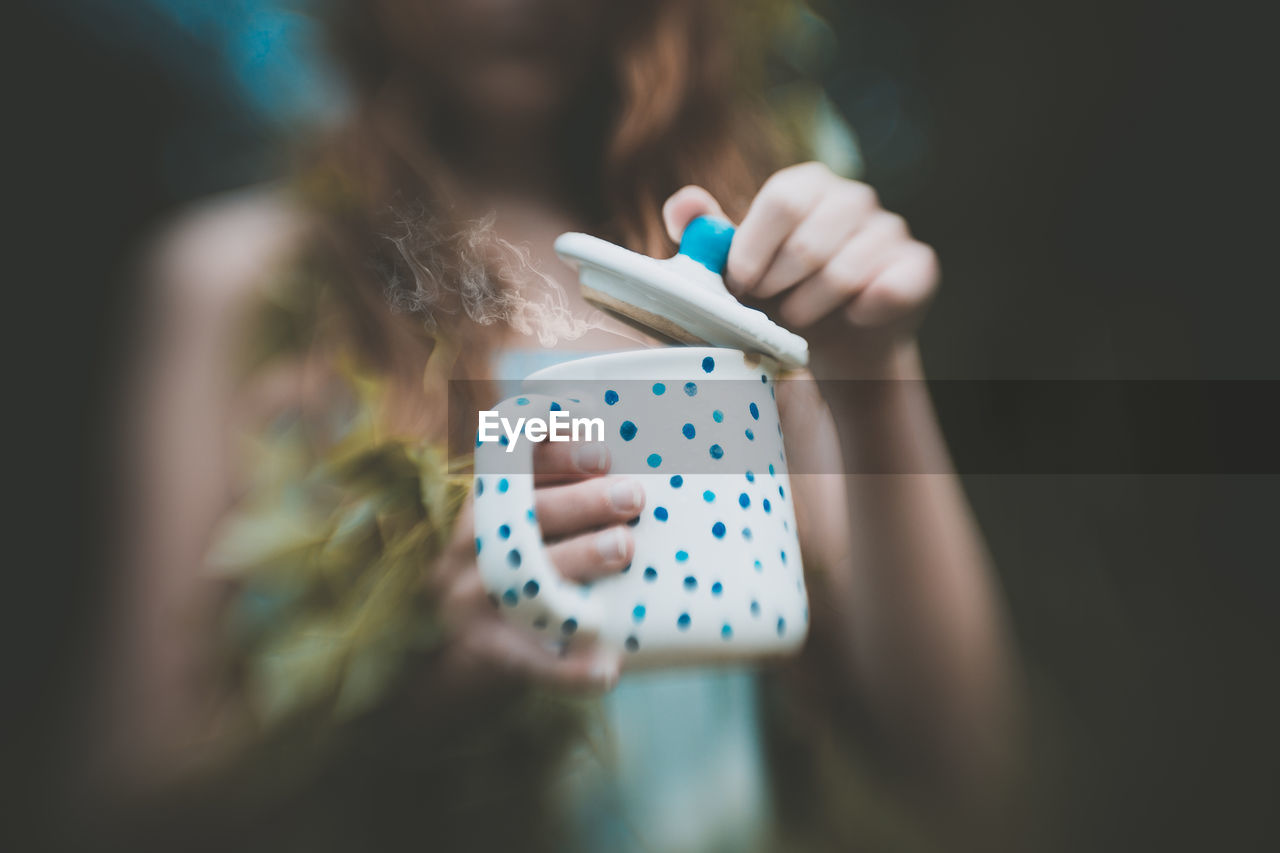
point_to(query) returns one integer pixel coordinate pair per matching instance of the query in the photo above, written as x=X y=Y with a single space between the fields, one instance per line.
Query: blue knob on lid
x=707 y=240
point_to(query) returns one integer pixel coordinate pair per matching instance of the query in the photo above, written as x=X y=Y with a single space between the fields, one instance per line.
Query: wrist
x=898 y=359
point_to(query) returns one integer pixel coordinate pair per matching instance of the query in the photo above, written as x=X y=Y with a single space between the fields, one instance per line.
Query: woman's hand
x=825 y=258
x=583 y=515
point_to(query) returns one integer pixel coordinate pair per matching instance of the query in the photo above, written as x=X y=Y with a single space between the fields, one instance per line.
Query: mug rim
x=660 y=355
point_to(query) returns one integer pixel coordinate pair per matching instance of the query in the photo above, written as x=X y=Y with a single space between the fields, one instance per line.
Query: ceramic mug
x=716 y=573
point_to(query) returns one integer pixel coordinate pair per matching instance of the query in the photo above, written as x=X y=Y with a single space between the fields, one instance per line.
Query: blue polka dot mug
x=716 y=574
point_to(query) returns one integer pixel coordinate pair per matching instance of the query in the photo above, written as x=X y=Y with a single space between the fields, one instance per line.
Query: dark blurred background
x=1097 y=178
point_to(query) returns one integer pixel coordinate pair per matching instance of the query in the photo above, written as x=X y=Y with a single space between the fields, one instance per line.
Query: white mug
x=716 y=574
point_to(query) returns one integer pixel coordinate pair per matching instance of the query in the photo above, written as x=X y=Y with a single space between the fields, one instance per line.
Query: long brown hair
x=676 y=107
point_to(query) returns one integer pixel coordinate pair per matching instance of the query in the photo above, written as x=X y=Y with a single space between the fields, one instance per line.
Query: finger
x=845 y=275
x=564 y=510
x=564 y=461
x=593 y=555
x=783 y=201
x=819 y=236
x=899 y=290
x=514 y=653
x=685 y=205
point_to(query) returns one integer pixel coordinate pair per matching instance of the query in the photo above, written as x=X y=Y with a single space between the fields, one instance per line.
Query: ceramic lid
x=682 y=297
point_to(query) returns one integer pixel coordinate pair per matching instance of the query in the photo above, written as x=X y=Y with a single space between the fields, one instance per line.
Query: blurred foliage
x=331 y=553
x=794 y=49
x=338 y=526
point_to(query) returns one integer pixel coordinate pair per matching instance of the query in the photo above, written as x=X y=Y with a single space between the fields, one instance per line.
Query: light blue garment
x=674 y=760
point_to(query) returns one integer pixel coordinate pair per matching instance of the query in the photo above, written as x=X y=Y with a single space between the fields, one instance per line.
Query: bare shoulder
x=212 y=258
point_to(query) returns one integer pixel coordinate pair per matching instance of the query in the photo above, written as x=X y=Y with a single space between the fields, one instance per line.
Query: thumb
x=685 y=205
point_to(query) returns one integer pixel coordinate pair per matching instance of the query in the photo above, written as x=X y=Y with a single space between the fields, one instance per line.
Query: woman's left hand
x=827 y=259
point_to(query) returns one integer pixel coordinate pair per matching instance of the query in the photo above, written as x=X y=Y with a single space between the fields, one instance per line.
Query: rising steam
x=439 y=271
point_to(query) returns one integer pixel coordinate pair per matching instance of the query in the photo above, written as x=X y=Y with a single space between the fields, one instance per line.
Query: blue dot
x=611 y=396
x=479 y=487
x=768 y=507
x=503 y=485
x=751 y=478
x=708 y=364
x=632 y=522
x=529 y=514
x=691 y=388
x=690 y=583
x=677 y=481
x=637 y=613
x=569 y=626
x=650 y=574
x=510 y=598
x=783 y=554
x=771 y=474
x=660 y=513
x=627 y=430
x=626 y=568
x=746 y=533
x=755 y=608
x=708 y=496
x=522 y=401
x=688 y=430
x=513 y=557
x=654 y=460
x=503 y=440
x=717 y=588
x=781 y=493
x=717 y=530
x=717 y=416
x=504 y=532
x=478 y=543
x=759 y=566
x=555 y=407
x=743 y=500
x=632 y=643
x=716 y=451
x=574 y=400
x=751 y=436
x=659 y=389
x=726 y=632
x=681 y=556
x=755 y=411
x=782 y=626
x=478 y=442
x=531 y=589
x=683 y=622
x=763 y=378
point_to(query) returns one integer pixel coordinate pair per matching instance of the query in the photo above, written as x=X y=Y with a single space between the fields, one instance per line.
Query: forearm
x=925 y=631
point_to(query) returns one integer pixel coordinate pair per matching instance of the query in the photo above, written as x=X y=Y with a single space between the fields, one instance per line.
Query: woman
x=624 y=120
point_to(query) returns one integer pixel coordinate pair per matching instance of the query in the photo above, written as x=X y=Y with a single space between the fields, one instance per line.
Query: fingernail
x=604 y=670
x=625 y=496
x=611 y=545
x=589 y=458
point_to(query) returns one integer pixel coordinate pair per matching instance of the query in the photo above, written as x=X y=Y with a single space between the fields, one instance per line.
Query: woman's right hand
x=582 y=514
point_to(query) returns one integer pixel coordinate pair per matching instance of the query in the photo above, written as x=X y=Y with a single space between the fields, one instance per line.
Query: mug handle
x=510 y=552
